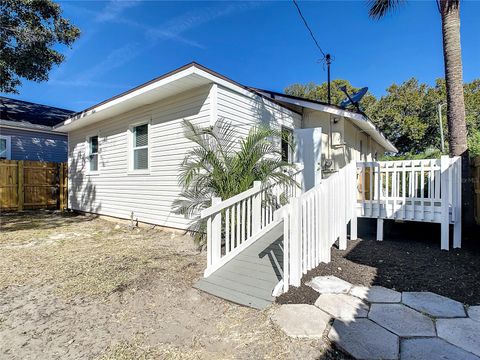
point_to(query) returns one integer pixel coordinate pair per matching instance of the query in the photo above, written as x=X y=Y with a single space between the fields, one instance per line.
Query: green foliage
x=474 y=142
x=30 y=31
x=320 y=92
x=223 y=165
x=430 y=153
x=408 y=113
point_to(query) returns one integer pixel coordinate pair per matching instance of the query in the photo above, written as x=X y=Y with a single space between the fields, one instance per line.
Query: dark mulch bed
x=409 y=259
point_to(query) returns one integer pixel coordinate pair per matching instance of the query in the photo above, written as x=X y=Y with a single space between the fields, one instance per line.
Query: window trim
x=8 y=139
x=87 y=154
x=131 y=170
x=290 y=150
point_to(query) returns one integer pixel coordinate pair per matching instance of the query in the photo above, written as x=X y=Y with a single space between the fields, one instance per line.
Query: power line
x=308 y=28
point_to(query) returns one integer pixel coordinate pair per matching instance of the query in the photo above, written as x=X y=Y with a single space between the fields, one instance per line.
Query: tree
x=452 y=56
x=319 y=92
x=221 y=165
x=30 y=30
x=450 y=14
x=408 y=116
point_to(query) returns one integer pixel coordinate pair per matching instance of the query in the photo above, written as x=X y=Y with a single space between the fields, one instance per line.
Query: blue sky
x=261 y=44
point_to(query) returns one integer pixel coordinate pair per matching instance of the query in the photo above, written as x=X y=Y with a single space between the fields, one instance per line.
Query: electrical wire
x=309 y=29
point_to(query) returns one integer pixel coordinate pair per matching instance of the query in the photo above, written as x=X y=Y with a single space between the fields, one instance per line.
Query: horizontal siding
x=247 y=111
x=36 y=146
x=115 y=192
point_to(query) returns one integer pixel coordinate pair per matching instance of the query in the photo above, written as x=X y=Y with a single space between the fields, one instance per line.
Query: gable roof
x=186 y=77
x=26 y=114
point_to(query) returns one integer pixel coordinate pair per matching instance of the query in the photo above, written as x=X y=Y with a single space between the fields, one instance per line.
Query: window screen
x=3 y=148
x=140 y=147
x=93 y=153
x=286 y=144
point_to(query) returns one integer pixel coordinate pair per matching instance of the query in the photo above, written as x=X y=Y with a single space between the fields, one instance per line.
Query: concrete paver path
x=380 y=323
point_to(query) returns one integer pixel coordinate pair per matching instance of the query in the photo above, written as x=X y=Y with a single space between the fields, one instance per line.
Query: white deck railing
x=314 y=221
x=426 y=190
x=235 y=223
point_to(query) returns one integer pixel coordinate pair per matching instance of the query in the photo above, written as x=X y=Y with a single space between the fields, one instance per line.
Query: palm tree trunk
x=450 y=11
x=457 y=127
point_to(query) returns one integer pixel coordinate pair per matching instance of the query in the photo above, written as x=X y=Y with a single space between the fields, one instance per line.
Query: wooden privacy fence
x=32 y=185
x=313 y=222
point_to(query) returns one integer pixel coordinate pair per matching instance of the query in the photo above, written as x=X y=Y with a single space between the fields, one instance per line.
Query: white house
x=124 y=153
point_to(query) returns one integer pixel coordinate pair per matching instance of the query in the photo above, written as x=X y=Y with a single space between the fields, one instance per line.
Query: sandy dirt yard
x=79 y=287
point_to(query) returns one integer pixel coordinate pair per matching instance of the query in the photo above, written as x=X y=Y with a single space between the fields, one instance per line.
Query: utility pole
x=328 y=61
x=441 y=126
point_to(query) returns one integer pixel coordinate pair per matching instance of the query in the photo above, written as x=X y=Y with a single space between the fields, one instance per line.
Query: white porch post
x=445 y=217
x=457 y=184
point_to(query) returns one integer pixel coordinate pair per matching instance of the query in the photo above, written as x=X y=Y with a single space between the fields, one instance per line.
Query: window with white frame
x=93 y=153
x=5 y=147
x=139 y=144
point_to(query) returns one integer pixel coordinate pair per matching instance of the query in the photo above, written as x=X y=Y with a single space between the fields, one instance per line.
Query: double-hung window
x=139 y=151
x=5 y=147
x=93 y=153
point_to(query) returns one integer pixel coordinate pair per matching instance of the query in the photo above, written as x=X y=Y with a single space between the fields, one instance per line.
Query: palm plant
x=450 y=14
x=457 y=126
x=222 y=164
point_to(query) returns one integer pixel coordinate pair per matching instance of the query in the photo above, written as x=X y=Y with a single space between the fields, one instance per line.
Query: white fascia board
x=239 y=89
x=29 y=127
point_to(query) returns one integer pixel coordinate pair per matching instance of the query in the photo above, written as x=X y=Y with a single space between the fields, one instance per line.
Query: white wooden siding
x=116 y=192
x=245 y=111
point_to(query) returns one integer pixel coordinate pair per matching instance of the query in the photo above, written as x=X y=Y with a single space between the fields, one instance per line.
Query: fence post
x=296 y=243
x=256 y=208
x=445 y=217
x=20 y=190
x=61 y=187
x=457 y=189
x=353 y=199
x=216 y=233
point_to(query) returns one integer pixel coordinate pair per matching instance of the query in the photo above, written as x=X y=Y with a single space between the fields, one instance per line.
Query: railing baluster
x=239 y=238
x=227 y=231
x=243 y=207
x=249 y=217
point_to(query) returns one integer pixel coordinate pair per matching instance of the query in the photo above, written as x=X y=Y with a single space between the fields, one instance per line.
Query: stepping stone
x=433 y=304
x=363 y=339
x=464 y=333
x=376 y=294
x=301 y=320
x=474 y=312
x=401 y=320
x=329 y=285
x=432 y=348
x=342 y=306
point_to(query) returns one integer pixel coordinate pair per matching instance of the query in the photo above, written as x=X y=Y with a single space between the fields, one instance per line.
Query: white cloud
x=114 y=9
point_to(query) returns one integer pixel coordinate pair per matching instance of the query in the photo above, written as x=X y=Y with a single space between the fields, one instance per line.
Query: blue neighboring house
x=26 y=131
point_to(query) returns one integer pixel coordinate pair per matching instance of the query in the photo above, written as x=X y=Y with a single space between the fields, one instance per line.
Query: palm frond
x=223 y=165
x=379 y=8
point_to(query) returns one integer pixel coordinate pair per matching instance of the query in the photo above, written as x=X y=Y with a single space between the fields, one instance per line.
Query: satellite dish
x=353 y=99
